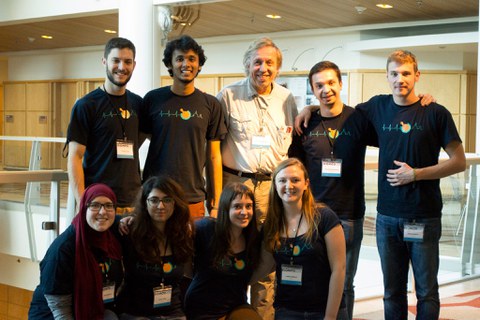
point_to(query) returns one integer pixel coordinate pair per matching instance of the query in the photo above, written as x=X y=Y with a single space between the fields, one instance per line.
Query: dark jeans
x=353 y=230
x=395 y=255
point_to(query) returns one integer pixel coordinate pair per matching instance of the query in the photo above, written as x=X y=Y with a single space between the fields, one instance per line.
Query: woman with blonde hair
x=305 y=242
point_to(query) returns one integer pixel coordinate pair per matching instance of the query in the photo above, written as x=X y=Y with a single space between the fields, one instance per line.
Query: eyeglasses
x=95 y=206
x=154 y=201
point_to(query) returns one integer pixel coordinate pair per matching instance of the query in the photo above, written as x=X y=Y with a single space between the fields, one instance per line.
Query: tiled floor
x=363 y=306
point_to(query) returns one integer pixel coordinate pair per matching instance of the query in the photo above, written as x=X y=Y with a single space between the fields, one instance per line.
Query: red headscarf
x=87 y=290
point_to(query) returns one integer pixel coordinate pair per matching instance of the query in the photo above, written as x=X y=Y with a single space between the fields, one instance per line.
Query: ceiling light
x=109 y=31
x=384 y=5
x=273 y=16
x=47 y=37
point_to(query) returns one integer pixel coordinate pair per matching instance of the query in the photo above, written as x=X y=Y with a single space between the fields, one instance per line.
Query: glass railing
x=34 y=200
x=460 y=241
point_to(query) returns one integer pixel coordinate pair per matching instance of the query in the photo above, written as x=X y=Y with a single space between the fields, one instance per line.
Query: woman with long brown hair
x=305 y=242
x=226 y=253
x=158 y=252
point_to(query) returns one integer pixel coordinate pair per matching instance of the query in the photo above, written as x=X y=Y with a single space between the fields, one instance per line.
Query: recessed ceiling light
x=47 y=37
x=273 y=16
x=109 y=31
x=384 y=5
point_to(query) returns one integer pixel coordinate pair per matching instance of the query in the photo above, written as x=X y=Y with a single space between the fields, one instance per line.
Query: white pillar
x=477 y=127
x=137 y=22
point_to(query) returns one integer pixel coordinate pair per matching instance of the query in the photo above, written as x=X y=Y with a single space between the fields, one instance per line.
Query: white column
x=477 y=127
x=138 y=23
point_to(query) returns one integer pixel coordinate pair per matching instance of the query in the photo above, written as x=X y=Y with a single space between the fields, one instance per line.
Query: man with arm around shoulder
x=409 y=206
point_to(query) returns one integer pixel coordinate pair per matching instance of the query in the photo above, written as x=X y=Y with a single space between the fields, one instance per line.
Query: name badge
x=413 y=232
x=291 y=274
x=331 y=167
x=261 y=142
x=162 y=296
x=108 y=292
x=124 y=149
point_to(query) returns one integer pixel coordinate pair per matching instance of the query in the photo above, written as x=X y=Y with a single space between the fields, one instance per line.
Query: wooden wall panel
x=14 y=96
x=225 y=81
x=1 y=124
x=207 y=84
x=444 y=87
x=38 y=96
x=14 y=151
x=355 y=85
x=39 y=124
x=373 y=84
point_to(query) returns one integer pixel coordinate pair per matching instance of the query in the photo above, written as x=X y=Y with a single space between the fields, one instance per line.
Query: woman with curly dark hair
x=226 y=253
x=157 y=252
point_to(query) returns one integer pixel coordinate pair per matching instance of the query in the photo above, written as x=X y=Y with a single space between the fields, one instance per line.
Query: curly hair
x=183 y=43
x=179 y=230
x=222 y=240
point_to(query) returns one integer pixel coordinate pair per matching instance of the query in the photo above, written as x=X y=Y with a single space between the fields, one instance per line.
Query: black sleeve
x=296 y=148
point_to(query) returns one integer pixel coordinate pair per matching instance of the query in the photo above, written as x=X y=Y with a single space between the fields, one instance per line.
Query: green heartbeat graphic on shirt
x=183 y=114
x=404 y=127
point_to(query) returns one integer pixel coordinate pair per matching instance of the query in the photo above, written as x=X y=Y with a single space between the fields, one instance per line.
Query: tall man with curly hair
x=185 y=127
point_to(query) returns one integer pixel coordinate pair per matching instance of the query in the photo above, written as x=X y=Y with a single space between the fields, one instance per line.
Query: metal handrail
x=52 y=176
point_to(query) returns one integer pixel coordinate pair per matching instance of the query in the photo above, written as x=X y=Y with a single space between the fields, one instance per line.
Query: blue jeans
x=353 y=230
x=395 y=255
x=287 y=314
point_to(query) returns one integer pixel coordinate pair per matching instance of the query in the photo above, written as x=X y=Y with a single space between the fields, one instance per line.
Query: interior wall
x=3 y=69
x=225 y=55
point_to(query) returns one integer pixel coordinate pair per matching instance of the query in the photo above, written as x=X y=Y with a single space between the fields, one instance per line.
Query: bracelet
x=414 y=175
x=215 y=208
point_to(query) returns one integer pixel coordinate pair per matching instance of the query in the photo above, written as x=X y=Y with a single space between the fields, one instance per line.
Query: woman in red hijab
x=82 y=270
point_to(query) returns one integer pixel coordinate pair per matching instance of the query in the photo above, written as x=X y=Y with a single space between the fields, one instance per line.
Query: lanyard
x=295 y=237
x=163 y=262
x=332 y=141
x=124 y=123
x=105 y=268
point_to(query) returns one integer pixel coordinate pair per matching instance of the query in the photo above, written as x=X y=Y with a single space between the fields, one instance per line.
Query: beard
x=115 y=82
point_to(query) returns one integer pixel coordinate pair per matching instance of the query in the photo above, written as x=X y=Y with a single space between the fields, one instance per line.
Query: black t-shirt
x=346 y=194
x=312 y=294
x=57 y=274
x=136 y=297
x=215 y=290
x=180 y=127
x=97 y=121
x=415 y=135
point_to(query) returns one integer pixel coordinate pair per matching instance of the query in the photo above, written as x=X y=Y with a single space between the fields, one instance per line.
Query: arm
x=265 y=267
x=214 y=175
x=303 y=117
x=61 y=306
x=75 y=169
x=296 y=148
x=336 y=248
x=426 y=99
x=406 y=174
